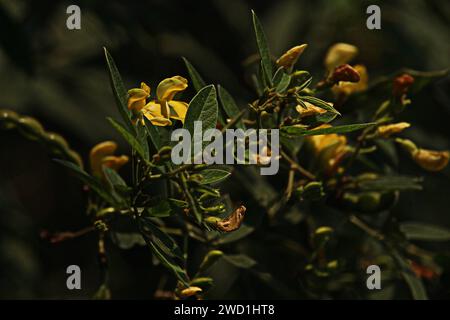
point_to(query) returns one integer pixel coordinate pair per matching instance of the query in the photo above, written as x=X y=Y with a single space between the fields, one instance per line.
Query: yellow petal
x=431 y=160
x=290 y=57
x=98 y=152
x=180 y=109
x=338 y=54
x=310 y=110
x=114 y=162
x=153 y=112
x=169 y=87
x=137 y=97
x=188 y=292
x=390 y=129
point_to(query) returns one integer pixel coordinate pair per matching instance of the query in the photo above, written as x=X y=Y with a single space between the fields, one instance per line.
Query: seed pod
x=30 y=128
x=312 y=191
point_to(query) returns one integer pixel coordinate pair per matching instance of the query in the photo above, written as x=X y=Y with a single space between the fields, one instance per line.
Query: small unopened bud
x=346 y=73
x=290 y=57
x=387 y=130
x=312 y=191
x=401 y=84
x=210 y=259
x=189 y=292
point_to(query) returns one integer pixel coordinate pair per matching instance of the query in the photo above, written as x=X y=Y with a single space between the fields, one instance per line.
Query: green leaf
x=196 y=79
x=214 y=175
x=284 y=83
x=153 y=133
x=229 y=106
x=243 y=231
x=264 y=52
x=203 y=107
x=301 y=131
x=113 y=177
x=91 y=181
x=164 y=248
x=414 y=283
x=391 y=183
x=128 y=240
x=120 y=93
x=142 y=138
x=132 y=141
x=240 y=260
x=320 y=103
x=425 y=232
x=161 y=210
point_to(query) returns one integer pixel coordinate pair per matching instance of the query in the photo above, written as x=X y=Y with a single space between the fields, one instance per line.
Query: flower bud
x=387 y=130
x=312 y=191
x=189 y=292
x=339 y=53
x=290 y=57
x=210 y=259
x=344 y=72
x=401 y=84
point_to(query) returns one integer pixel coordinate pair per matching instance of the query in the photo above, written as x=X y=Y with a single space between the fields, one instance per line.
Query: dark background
x=59 y=77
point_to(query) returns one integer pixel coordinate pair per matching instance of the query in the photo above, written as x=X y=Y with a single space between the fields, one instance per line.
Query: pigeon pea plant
x=333 y=182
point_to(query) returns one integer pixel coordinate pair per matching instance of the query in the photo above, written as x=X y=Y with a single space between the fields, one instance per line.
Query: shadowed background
x=59 y=77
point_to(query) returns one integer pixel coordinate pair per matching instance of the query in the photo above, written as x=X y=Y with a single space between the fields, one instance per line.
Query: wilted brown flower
x=229 y=224
x=347 y=88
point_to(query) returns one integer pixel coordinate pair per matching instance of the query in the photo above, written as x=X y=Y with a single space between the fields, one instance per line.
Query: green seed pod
x=8 y=119
x=56 y=141
x=312 y=191
x=30 y=128
x=370 y=201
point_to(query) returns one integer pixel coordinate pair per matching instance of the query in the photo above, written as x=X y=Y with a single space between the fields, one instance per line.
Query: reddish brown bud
x=346 y=73
x=401 y=84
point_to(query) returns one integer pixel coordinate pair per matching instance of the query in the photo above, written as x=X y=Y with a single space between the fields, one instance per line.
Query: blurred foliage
x=58 y=76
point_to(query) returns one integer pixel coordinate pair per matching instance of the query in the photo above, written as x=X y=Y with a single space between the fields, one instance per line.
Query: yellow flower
x=338 y=54
x=387 y=130
x=102 y=155
x=431 y=160
x=329 y=149
x=160 y=110
x=137 y=97
x=347 y=88
x=310 y=110
x=290 y=57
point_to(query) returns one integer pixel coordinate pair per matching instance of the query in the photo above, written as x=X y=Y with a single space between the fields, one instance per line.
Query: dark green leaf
x=229 y=106
x=391 y=183
x=113 y=177
x=320 y=103
x=240 y=260
x=92 y=182
x=161 y=210
x=203 y=107
x=263 y=48
x=153 y=133
x=164 y=248
x=284 y=83
x=132 y=141
x=142 y=138
x=214 y=175
x=425 y=232
x=120 y=93
x=301 y=131
x=196 y=79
